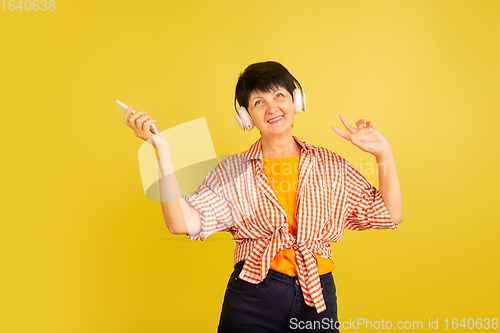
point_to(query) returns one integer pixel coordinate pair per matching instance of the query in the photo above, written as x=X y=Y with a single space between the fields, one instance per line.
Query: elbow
x=398 y=219
x=183 y=229
x=175 y=230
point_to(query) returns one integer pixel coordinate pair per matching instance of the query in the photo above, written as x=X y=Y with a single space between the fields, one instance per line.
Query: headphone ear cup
x=238 y=120
x=297 y=100
x=244 y=120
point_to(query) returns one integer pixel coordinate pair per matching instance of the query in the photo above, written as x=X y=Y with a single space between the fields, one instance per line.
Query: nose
x=272 y=107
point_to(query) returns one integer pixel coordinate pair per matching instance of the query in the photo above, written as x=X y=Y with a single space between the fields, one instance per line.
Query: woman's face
x=264 y=106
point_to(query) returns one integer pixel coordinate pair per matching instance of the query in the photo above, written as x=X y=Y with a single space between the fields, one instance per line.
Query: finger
x=130 y=121
x=370 y=124
x=136 y=121
x=341 y=133
x=127 y=114
x=355 y=141
x=143 y=125
x=133 y=119
x=148 y=123
x=360 y=123
x=347 y=125
x=142 y=121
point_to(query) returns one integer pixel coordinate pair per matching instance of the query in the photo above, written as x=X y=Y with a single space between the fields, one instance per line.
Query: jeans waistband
x=278 y=276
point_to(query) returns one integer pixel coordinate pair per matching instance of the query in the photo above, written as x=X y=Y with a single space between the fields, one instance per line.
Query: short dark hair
x=263 y=77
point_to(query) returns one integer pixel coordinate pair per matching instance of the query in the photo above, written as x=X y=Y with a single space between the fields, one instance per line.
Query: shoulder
x=232 y=166
x=230 y=161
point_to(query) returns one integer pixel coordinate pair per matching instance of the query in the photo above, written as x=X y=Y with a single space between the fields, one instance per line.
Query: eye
x=257 y=102
x=280 y=95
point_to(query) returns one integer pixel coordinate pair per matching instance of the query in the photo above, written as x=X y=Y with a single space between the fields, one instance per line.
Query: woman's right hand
x=140 y=122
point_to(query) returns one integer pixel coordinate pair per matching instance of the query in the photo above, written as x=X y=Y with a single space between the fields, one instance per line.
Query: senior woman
x=283 y=200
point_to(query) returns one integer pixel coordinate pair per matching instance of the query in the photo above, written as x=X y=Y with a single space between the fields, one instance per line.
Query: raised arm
x=389 y=184
x=371 y=141
x=180 y=218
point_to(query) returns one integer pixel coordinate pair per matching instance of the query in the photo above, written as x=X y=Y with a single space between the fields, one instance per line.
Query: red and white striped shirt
x=331 y=196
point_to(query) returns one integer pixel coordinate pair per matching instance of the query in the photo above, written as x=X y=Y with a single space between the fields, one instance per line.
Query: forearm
x=389 y=185
x=180 y=218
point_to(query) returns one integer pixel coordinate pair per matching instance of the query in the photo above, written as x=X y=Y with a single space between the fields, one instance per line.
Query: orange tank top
x=283 y=177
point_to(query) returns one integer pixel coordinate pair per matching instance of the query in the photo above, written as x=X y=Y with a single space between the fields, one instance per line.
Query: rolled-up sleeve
x=366 y=207
x=210 y=202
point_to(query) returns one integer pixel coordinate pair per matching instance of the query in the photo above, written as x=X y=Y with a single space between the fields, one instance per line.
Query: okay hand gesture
x=365 y=137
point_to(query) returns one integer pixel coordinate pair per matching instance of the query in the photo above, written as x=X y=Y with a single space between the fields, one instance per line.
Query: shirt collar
x=255 y=151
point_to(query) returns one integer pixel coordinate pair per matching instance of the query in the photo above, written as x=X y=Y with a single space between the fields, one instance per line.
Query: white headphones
x=244 y=119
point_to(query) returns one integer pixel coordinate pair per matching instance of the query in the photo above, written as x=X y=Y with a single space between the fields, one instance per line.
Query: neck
x=280 y=147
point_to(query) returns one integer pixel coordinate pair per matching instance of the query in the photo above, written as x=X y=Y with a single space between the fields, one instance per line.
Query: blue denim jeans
x=275 y=305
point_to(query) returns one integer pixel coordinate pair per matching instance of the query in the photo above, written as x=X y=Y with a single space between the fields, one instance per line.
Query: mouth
x=275 y=120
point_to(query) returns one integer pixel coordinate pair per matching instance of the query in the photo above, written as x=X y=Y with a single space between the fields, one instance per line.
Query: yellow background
x=83 y=249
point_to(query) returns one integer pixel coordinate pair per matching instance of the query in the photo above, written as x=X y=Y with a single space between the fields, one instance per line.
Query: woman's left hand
x=365 y=137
